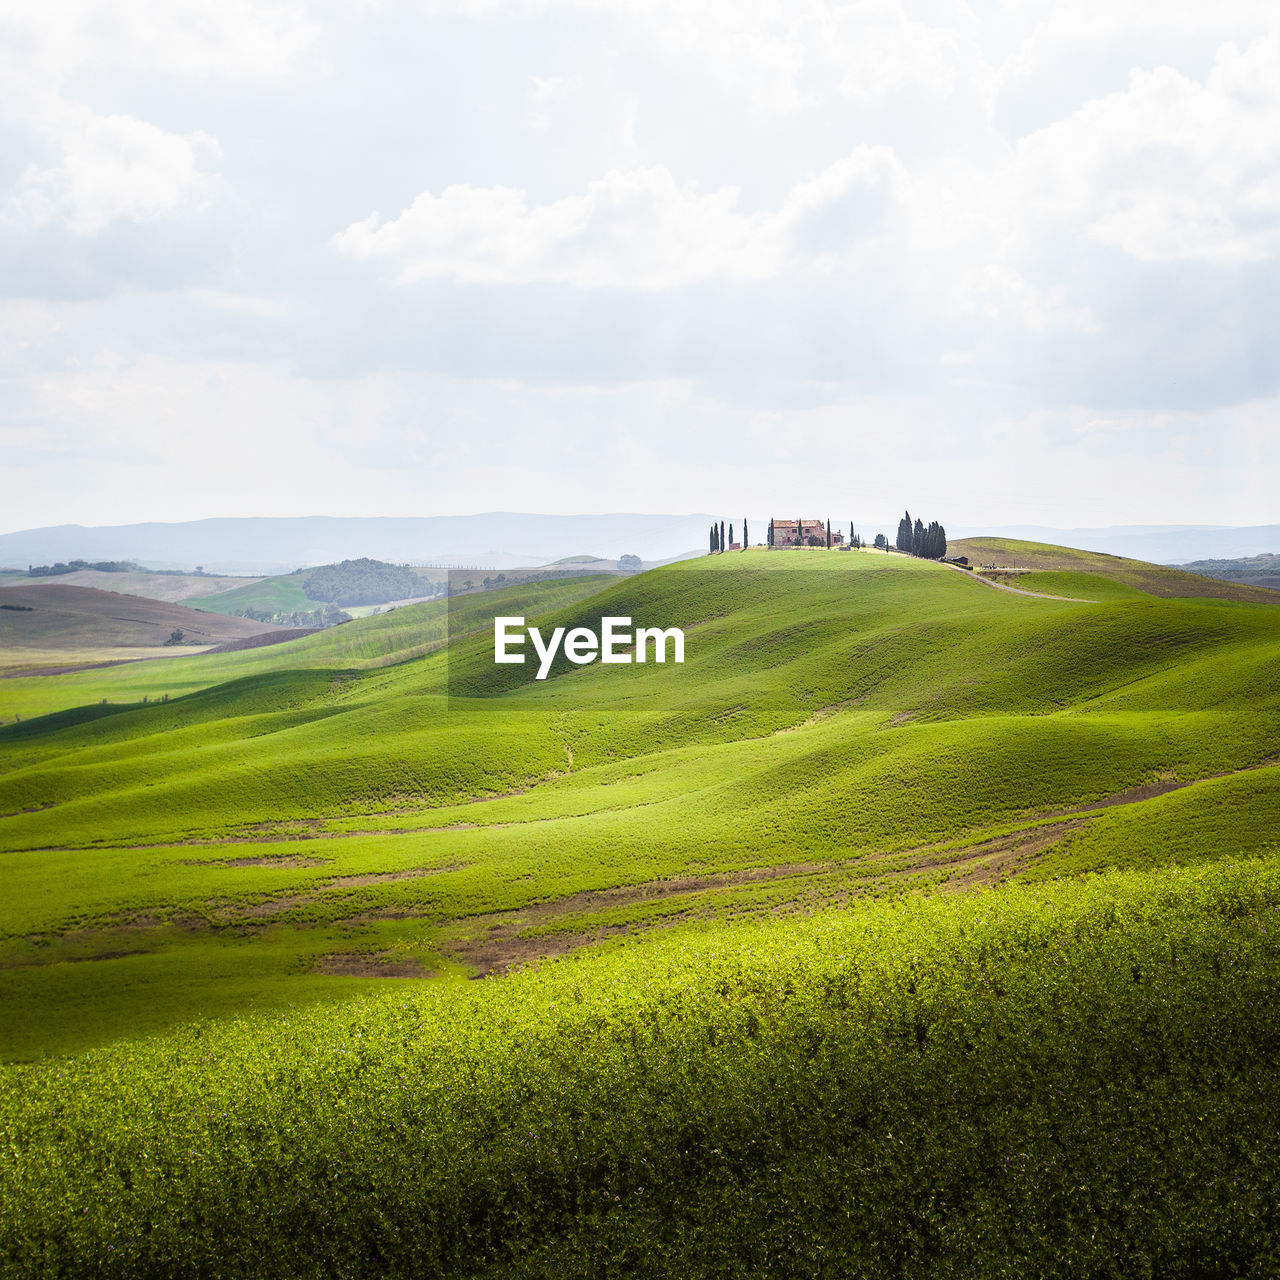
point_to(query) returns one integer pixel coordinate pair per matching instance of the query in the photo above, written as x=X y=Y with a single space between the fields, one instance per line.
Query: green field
x=908 y=928
x=281 y=594
x=285 y=593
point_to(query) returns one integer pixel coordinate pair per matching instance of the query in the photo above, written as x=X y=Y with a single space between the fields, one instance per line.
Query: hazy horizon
x=504 y=540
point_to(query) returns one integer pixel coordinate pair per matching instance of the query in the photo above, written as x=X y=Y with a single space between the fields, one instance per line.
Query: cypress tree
x=712 y=541
x=745 y=542
x=904 y=533
x=917 y=539
x=721 y=535
x=771 y=531
x=828 y=533
x=730 y=542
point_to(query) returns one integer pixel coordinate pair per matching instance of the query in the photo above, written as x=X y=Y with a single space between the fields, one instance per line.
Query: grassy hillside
x=849 y=1009
x=44 y=625
x=378 y=641
x=842 y=724
x=305 y=589
x=1153 y=579
x=281 y=594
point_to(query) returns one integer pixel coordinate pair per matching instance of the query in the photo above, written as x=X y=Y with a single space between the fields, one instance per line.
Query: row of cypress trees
x=929 y=542
x=718 y=543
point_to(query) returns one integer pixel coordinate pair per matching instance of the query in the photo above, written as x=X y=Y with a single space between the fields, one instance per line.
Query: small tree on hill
x=828 y=534
x=745 y=542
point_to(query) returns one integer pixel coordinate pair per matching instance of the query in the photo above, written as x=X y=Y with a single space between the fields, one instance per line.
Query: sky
x=1002 y=263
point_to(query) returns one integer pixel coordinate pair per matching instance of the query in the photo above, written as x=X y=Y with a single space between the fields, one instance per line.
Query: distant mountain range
x=280 y=544
x=504 y=540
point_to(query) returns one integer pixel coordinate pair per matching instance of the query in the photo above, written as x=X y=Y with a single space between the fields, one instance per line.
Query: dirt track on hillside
x=1017 y=591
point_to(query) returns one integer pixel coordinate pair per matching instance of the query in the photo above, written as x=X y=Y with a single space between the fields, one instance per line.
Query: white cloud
x=829 y=215
x=217 y=38
x=97 y=166
x=1170 y=169
x=876 y=48
x=114 y=167
x=632 y=230
x=781 y=54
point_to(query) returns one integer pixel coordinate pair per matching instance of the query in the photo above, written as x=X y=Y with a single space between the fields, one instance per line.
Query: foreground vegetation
x=938 y=937
x=1074 y=1081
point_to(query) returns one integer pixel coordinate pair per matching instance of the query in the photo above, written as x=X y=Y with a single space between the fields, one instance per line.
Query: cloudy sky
x=1004 y=262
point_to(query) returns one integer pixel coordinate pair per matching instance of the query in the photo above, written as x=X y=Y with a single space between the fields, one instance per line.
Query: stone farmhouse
x=796 y=533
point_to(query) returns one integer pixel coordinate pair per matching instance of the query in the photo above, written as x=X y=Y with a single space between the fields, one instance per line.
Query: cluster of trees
x=328 y=615
x=929 y=542
x=363 y=581
x=71 y=566
x=718 y=543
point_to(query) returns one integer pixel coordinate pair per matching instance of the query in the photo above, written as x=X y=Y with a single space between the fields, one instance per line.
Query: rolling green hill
x=837 y=1000
x=1051 y=562
x=281 y=594
x=351 y=583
